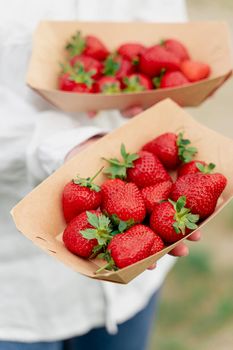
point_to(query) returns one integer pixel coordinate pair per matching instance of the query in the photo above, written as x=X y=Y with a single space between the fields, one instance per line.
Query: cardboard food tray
x=206 y=41
x=39 y=215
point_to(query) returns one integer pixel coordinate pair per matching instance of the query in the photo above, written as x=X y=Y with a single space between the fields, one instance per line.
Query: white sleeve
x=55 y=135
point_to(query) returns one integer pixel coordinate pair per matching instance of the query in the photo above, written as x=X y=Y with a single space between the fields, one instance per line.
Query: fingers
x=132 y=111
x=196 y=236
x=180 y=250
x=152 y=267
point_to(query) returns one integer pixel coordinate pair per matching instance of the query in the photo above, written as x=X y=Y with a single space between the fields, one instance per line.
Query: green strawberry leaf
x=104 y=222
x=205 y=169
x=101 y=230
x=183 y=216
x=193 y=218
x=89 y=233
x=117 y=168
x=176 y=227
x=77 y=45
x=180 y=203
x=133 y=84
x=157 y=80
x=111 y=65
x=122 y=226
x=191 y=225
x=185 y=153
x=93 y=219
x=110 y=262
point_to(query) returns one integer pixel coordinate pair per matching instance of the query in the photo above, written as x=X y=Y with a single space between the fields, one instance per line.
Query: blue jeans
x=132 y=335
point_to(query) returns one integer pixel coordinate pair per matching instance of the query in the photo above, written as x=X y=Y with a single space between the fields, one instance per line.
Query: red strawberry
x=147 y=170
x=108 y=85
x=144 y=169
x=87 y=233
x=156 y=193
x=195 y=166
x=80 y=195
x=177 y=48
x=135 y=244
x=171 y=221
x=123 y=200
x=65 y=83
x=137 y=82
x=201 y=191
x=157 y=245
x=117 y=67
x=89 y=64
x=131 y=51
x=195 y=71
x=76 y=79
x=83 y=88
x=89 y=45
x=157 y=58
x=171 y=149
x=170 y=80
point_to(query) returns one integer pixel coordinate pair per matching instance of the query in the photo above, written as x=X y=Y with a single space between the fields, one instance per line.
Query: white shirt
x=40 y=299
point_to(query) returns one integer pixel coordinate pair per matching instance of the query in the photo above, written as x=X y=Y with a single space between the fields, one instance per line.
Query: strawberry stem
x=98 y=172
x=88 y=182
x=110 y=262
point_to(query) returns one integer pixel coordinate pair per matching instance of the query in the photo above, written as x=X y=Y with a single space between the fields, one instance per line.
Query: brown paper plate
x=207 y=41
x=39 y=215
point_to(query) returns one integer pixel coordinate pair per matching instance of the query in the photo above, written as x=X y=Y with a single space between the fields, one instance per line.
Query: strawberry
x=80 y=195
x=131 y=51
x=195 y=166
x=170 y=80
x=156 y=193
x=65 y=83
x=87 y=233
x=137 y=82
x=157 y=245
x=88 y=45
x=122 y=200
x=143 y=168
x=76 y=79
x=117 y=66
x=172 y=220
x=195 y=71
x=201 y=191
x=89 y=64
x=177 y=48
x=171 y=149
x=147 y=170
x=133 y=245
x=156 y=58
x=108 y=85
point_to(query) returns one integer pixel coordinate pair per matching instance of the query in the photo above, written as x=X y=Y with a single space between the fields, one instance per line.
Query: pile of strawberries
x=132 y=67
x=139 y=209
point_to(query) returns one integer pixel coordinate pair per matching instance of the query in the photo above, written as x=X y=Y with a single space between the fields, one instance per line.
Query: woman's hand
x=181 y=249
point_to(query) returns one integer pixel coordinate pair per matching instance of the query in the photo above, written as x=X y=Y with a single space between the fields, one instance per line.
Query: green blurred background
x=196 y=308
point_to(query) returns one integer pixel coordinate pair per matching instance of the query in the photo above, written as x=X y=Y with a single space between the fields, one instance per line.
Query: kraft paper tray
x=207 y=41
x=39 y=215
